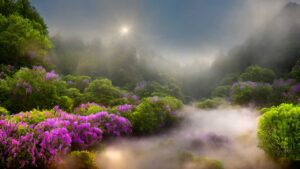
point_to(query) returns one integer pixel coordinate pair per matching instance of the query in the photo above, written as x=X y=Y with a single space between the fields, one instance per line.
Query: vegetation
x=59 y=98
x=279 y=131
x=211 y=103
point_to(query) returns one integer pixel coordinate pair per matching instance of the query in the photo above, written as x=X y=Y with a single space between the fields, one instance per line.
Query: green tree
x=258 y=74
x=24 y=9
x=21 y=41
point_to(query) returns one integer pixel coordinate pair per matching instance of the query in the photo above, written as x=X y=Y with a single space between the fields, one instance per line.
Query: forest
x=68 y=103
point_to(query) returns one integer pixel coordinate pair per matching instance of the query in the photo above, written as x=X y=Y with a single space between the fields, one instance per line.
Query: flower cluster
x=51 y=75
x=24 y=85
x=124 y=108
x=25 y=143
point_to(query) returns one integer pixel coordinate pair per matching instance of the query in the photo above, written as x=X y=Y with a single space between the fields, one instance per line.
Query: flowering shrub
x=36 y=88
x=88 y=108
x=27 y=141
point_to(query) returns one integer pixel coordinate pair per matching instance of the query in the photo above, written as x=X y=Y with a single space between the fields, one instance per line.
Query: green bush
x=3 y=111
x=154 y=113
x=102 y=91
x=36 y=88
x=79 y=82
x=211 y=103
x=32 y=117
x=88 y=108
x=279 y=131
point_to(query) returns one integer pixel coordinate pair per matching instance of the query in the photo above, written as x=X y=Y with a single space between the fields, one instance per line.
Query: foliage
x=251 y=92
x=279 y=131
x=3 y=111
x=30 y=141
x=295 y=73
x=211 y=103
x=221 y=91
x=82 y=160
x=36 y=88
x=102 y=91
x=21 y=41
x=88 y=108
x=24 y=9
x=78 y=82
x=229 y=79
x=148 y=89
x=258 y=74
x=153 y=113
x=31 y=117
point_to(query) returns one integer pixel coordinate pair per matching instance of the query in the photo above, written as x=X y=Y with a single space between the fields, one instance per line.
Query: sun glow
x=124 y=30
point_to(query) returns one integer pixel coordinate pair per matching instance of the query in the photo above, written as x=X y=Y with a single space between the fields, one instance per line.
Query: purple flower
x=51 y=75
x=124 y=108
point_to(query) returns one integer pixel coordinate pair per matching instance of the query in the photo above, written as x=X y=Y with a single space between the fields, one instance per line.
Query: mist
x=227 y=134
x=189 y=48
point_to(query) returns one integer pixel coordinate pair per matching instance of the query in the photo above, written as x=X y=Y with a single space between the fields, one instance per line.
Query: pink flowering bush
x=40 y=143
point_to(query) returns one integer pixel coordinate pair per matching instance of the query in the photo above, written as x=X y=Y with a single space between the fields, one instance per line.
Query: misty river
x=225 y=134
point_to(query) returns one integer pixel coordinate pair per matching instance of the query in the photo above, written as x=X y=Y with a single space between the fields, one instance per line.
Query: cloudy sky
x=172 y=27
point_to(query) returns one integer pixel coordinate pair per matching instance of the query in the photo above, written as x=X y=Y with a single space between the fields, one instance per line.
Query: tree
x=24 y=9
x=21 y=41
x=258 y=74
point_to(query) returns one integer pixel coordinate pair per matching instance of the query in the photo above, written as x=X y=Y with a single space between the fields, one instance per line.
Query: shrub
x=81 y=160
x=211 y=103
x=36 y=88
x=102 y=91
x=279 y=131
x=88 y=108
x=29 y=142
x=251 y=92
x=31 y=117
x=79 y=82
x=3 y=111
x=153 y=113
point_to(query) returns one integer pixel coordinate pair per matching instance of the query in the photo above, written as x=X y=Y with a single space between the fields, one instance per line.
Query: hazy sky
x=173 y=27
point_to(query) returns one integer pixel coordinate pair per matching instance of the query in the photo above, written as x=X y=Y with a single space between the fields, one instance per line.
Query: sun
x=124 y=30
